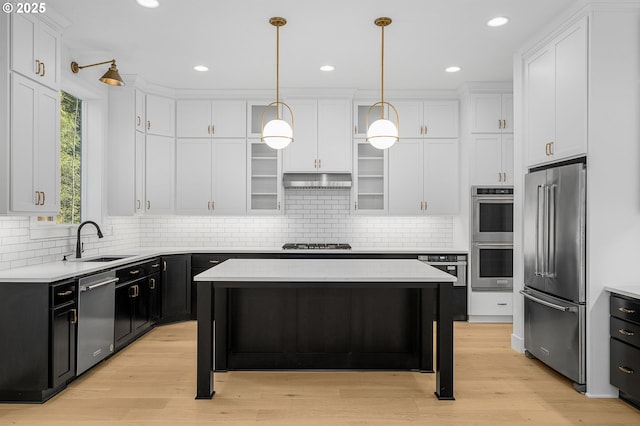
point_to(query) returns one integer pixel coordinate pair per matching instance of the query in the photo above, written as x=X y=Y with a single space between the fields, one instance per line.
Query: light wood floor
x=152 y=382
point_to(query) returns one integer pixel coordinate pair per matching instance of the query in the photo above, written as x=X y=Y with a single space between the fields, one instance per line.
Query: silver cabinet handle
x=74 y=320
x=626 y=310
x=626 y=332
x=152 y=283
x=65 y=293
x=214 y=262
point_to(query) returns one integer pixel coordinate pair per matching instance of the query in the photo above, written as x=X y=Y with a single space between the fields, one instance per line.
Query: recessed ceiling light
x=498 y=21
x=452 y=69
x=201 y=68
x=327 y=68
x=149 y=3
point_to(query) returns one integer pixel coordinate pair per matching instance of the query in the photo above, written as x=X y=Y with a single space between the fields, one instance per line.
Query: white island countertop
x=324 y=270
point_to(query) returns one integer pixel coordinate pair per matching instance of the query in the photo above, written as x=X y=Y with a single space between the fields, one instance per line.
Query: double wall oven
x=492 y=238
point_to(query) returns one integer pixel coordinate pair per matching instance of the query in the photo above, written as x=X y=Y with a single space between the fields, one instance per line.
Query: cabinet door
x=334 y=135
x=160 y=115
x=193 y=119
x=142 y=307
x=411 y=115
x=160 y=172
x=405 y=177
x=193 y=176
x=123 y=317
x=571 y=93
x=154 y=297
x=24 y=38
x=35 y=146
x=64 y=328
x=362 y=110
x=302 y=154
x=176 y=288
x=47 y=171
x=229 y=176
x=370 y=178
x=487 y=159
x=540 y=109
x=486 y=113
x=141 y=117
x=440 y=119
x=507 y=158
x=441 y=189
x=229 y=119
x=264 y=178
x=48 y=55
x=140 y=172
x=24 y=100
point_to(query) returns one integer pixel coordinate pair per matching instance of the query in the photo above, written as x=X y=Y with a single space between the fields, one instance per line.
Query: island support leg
x=428 y=303
x=204 y=372
x=444 y=343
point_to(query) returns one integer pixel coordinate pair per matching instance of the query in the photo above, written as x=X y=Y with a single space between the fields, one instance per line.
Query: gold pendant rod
x=277 y=72
x=382 y=22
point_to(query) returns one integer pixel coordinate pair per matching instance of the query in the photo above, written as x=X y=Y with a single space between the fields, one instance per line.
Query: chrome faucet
x=78 y=245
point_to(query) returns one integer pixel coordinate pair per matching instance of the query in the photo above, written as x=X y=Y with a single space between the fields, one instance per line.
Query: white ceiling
x=236 y=42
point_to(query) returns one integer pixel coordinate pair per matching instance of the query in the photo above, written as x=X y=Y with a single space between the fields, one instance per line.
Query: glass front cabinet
x=369 y=195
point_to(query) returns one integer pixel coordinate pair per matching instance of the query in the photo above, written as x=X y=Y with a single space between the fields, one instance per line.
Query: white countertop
x=59 y=270
x=630 y=290
x=325 y=270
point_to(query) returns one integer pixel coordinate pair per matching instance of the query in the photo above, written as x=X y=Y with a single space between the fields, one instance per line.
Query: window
x=70 y=159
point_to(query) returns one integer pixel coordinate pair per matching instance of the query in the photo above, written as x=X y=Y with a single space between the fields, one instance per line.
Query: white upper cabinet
x=141 y=117
x=427 y=119
x=211 y=176
x=159 y=175
x=35 y=49
x=160 y=113
x=492 y=113
x=423 y=177
x=35 y=147
x=321 y=137
x=556 y=98
x=206 y=119
x=492 y=160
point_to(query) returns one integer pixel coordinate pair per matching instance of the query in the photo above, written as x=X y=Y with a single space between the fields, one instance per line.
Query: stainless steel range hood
x=316 y=180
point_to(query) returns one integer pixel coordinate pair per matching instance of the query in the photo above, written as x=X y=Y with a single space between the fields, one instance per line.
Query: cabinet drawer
x=626 y=309
x=491 y=303
x=62 y=293
x=625 y=367
x=206 y=260
x=130 y=273
x=626 y=331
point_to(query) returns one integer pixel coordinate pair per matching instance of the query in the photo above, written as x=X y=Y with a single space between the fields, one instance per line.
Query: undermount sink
x=103 y=258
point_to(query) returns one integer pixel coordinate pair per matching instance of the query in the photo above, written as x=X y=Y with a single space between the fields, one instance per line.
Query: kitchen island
x=324 y=314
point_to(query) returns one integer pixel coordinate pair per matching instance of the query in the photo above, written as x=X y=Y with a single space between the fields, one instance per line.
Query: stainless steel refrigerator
x=554 y=269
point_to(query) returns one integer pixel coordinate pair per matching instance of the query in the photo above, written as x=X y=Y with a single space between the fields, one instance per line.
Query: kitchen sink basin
x=103 y=258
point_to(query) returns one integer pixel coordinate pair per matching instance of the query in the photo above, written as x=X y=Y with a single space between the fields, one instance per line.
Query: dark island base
x=289 y=326
x=320 y=328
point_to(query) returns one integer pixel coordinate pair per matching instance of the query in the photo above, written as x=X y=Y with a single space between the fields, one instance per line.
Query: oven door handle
x=548 y=304
x=494 y=245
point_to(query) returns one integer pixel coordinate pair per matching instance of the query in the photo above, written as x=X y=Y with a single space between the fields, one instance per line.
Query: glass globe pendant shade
x=277 y=134
x=382 y=134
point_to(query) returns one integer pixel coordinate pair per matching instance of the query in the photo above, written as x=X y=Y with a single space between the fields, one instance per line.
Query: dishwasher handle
x=548 y=304
x=99 y=284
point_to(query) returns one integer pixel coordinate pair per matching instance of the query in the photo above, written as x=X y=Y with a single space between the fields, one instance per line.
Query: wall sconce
x=111 y=77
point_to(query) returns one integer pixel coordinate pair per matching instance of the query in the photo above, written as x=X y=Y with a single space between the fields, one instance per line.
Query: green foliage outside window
x=70 y=158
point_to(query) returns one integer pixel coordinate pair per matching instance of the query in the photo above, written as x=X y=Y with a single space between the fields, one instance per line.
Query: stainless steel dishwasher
x=96 y=305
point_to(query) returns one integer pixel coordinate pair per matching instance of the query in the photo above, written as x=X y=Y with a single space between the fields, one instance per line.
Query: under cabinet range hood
x=316 y=180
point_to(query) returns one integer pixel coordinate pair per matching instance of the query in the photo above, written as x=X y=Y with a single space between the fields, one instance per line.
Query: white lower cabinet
x=35 y=147
x=423 y=177
x=491 y=306
x=211 y=176
x=159 y=174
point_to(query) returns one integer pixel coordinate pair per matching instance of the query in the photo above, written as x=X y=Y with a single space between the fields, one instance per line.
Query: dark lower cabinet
x=176 y=288
x=624 y=368
x=136 y=301
x=38 y=327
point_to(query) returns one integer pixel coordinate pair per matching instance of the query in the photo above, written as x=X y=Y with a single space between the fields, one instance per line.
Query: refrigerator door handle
x=548 y=304
x=551 y=228
x=536 y=270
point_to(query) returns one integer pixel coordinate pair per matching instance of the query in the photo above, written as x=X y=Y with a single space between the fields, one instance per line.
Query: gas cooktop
x=316 y=246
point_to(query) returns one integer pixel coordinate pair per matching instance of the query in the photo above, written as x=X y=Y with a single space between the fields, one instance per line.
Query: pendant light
x=277 y=133
x=382 y=133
